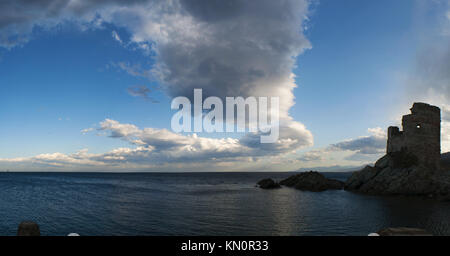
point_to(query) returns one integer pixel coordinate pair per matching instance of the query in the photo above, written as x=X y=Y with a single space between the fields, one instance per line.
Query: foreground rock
x=268 y=184
x=403 y=232
x=445 y=161
x=28 y=228
x=393 y=175
x=312 y=181
x=413 y=164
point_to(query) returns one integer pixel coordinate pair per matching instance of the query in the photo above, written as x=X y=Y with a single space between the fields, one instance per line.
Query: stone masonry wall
x=421 y=135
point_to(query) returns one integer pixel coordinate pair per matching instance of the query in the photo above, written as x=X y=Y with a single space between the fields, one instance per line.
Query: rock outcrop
x=28 y=228
x=445 y=161
x=312 y=181
x=268 y=184
x=403 y=232
x=399 y=175
x=410 y=166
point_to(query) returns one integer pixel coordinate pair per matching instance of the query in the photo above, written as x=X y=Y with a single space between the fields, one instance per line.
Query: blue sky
x=62 y=82
x=75 y=74
x=357 y=48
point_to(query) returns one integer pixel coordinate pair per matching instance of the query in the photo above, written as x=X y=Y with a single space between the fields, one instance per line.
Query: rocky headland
x=412 y=165
x=312 y=181
x=308 y=181
x=268 y=184
x=400 y=174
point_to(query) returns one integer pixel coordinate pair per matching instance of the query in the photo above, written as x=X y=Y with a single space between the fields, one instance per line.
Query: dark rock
x=393 y=175
x=445 y=161
x=413 y=164
x=268 y=184
x=312 y=181
x=444 y=198
x=403 y=159
x=383 y=162
x=403 y=232
x=28 y=228
x=445 y=157
x=357 y=179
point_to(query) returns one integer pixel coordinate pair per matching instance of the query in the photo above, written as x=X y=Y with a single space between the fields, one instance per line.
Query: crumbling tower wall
x=421 y=135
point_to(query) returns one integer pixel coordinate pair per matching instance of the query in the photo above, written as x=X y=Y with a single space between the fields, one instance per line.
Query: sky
x=87 y=85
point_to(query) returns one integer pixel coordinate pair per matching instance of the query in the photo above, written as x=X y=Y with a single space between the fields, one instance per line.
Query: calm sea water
x=200 y=204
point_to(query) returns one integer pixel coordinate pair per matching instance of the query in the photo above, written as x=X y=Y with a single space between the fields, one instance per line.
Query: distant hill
x=445 y=160
x=335 y=168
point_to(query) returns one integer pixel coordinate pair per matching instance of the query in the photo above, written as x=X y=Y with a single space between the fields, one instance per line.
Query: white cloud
x=153 y=148
x=116 y=36
x=366 y=145
x=314 y=155
x=87 y=130
x=164 y=140
x=80 y=158
x=359 y=150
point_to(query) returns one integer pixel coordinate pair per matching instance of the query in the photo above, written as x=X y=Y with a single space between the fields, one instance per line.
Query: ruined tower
x=421 y=135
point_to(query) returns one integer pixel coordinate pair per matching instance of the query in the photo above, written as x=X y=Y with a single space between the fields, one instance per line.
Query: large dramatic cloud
x=227 y=48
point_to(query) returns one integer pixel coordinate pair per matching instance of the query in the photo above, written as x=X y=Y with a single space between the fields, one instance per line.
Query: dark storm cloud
x=214 y=10
x=19 y=17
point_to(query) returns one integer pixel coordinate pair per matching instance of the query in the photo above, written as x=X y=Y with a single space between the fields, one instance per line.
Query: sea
x=148 y=204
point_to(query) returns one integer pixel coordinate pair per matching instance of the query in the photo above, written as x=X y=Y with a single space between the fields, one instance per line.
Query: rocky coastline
x=306 y=181
x=312 y=181
x=391 y=176
x=268 y=184
x=412 y=165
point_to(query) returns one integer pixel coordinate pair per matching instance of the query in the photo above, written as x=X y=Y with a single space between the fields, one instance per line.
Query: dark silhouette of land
x=412 y=165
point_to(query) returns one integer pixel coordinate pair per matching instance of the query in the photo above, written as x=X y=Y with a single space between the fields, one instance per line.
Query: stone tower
x=421 y=135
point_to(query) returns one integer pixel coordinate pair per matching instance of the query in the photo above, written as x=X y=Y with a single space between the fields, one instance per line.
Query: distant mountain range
x=334 y=168
x=445 y=158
